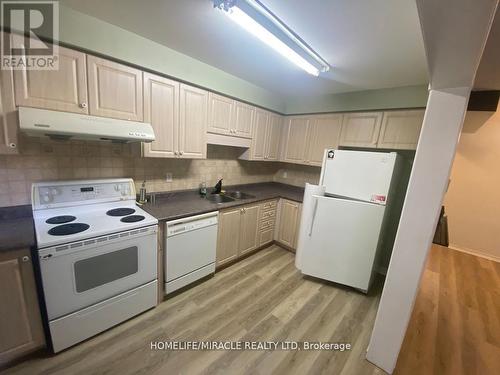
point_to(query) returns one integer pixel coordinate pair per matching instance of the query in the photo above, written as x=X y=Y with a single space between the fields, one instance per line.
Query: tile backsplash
x=298 y=175
x=43 y=159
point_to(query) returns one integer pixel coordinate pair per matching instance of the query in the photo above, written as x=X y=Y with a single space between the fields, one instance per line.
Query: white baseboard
x=475 y=252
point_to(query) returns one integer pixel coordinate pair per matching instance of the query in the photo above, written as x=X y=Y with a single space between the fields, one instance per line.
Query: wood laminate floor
x=455 y=324
x=260 y=298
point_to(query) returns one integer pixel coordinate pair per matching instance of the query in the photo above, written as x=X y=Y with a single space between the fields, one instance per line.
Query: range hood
x=65 y=125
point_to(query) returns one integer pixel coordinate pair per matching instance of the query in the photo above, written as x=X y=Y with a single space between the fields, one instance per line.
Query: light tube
x=253 y=27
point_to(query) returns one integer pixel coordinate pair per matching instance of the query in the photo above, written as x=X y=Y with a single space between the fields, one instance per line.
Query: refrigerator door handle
x=313 y=216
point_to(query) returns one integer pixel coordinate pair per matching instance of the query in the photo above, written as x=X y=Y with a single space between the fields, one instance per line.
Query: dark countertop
x=179 y=204
x=16 y=228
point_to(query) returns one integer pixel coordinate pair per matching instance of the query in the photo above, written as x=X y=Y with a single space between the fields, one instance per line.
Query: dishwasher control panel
x=190 y=223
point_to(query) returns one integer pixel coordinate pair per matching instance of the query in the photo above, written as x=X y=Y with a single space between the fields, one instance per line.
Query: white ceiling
x=370 y=44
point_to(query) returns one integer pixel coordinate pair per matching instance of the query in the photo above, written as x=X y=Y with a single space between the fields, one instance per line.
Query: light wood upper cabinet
x=8 y=114
x=21 y=323
x=115 y=90
x=228 y=235
x=220 y=114
x=64 y=89
x=361 y=129
x=193 y=122
x=401 y=129
x=266 y=138
x=243 y=119
x=249 y=229
x=259 y=140
x=295 y=137
x=161 y=109
x=274 y=137
x=289 y=220
x=324 y=132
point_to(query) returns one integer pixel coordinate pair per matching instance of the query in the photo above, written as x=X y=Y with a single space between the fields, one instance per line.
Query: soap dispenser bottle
x=142 y=193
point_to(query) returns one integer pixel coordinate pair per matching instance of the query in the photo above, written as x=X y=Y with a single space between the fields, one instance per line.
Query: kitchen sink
x=219 y=198
x=239 y=195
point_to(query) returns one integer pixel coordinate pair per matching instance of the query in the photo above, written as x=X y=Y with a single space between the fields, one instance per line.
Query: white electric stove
x=97 y=253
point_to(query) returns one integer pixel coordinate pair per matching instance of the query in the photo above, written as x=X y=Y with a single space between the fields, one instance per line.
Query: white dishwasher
x=190 y=245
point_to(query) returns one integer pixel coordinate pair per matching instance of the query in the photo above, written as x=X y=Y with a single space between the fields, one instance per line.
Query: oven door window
x=103 y=269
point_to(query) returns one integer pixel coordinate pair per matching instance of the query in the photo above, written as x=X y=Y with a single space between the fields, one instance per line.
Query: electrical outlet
x=168 y=177
x=285 y=174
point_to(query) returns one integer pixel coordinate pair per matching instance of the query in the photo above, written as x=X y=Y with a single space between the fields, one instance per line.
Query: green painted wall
x=90 y=33
x=399 y=97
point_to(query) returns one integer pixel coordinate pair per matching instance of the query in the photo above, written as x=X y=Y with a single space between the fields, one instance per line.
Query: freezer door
x=359 y=175
x=342 y=241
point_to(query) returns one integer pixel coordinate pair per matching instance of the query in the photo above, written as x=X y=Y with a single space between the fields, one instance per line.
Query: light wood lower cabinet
x=228 y=235
x=246 y=228
x=20 y=320
x=238 y=232
x=288 y=223
x=249 y=229
x=267 y=220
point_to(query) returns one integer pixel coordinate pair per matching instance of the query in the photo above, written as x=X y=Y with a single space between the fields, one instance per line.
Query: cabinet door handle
x=180 y=153
x=25 y=259
x=83 y=105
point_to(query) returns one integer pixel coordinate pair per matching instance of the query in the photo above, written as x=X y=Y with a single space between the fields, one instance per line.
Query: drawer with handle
x=269 y=205
x=267 y=224
x=268 y=214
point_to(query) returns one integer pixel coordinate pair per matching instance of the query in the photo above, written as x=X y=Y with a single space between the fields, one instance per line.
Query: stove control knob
x=54 y=191
x=46 y=198
x=117 y=187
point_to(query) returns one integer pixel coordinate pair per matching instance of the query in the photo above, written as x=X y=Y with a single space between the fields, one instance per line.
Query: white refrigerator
x=344 y=218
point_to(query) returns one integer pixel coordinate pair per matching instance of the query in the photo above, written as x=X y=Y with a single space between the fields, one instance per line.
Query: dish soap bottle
x=203 y=188
x=142 y=193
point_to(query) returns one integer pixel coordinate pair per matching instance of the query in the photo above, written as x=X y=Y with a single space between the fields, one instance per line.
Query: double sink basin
x=229 y=196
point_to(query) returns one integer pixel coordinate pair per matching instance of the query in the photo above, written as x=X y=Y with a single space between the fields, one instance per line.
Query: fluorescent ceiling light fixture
x=246 y=13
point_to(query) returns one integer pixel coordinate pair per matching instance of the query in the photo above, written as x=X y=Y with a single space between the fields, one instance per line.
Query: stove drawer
x=80 y=277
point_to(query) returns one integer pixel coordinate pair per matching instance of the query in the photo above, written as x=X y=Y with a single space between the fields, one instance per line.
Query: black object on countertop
x=218 y=187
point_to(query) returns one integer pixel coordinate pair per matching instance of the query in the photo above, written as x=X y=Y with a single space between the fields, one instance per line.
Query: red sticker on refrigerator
x=378 y=198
